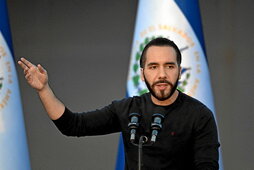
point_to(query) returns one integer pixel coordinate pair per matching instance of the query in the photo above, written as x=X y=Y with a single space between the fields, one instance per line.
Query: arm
x=97 y=122
x=37 y=78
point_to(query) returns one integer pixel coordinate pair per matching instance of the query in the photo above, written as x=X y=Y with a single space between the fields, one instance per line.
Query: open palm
x=36 y=76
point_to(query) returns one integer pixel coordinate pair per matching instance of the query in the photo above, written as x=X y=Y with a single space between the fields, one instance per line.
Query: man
x=188 y=137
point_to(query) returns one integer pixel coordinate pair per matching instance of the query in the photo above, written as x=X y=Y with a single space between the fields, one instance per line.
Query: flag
x=13 y=145
x=179 y=21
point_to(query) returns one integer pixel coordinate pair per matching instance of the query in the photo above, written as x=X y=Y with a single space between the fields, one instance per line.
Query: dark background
x=85 y=46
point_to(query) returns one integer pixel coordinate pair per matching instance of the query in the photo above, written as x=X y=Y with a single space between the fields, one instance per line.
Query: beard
x=162 y=94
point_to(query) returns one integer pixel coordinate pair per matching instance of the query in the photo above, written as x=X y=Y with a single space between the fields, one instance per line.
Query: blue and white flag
x=13 y=145
x=179 y=21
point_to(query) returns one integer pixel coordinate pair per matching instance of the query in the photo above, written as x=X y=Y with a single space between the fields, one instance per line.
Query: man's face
x=161 y=71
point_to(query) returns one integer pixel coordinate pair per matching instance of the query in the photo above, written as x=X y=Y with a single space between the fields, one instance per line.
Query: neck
x=166 y=102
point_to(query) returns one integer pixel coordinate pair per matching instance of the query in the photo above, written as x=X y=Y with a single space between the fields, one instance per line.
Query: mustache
x=162 y=81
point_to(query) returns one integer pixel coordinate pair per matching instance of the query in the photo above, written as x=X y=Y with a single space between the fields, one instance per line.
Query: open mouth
x=162 y=86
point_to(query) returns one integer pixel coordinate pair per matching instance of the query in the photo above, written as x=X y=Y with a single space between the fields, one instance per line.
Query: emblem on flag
x=5 y=81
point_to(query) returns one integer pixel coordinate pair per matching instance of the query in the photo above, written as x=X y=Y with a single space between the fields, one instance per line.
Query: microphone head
x=157 y=121
x=134 y=119
x=133 y=125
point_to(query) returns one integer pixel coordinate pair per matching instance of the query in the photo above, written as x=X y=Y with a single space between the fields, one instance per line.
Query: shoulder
x=198 y=113
x=194 y=105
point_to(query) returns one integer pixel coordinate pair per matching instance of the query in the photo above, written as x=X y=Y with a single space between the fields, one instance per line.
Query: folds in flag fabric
x=13 y=145
x=180 y=21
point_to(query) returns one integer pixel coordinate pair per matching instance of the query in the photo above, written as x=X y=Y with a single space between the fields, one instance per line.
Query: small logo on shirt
x=172 y=133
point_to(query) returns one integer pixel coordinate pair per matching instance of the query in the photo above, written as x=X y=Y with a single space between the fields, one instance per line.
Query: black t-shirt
x=187 y=140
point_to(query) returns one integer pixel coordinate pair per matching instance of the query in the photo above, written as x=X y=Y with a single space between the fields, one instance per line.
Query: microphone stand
x=142 y=140
x=133 y=125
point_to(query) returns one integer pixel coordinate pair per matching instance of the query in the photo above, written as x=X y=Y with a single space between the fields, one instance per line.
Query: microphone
x=133 y=125
x=156 y=125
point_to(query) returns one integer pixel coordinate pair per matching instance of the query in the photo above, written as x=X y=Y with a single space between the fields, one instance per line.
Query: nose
x=162 y=73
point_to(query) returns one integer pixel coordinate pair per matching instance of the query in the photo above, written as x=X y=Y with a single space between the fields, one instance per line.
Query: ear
x=142 y=74
x=180 y=73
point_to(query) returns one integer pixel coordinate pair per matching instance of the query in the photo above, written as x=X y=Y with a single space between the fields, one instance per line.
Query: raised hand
x=36 y=76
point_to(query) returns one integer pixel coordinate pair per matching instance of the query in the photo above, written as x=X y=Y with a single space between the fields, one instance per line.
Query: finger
x=22 y=65
x=26 y=62
x=41 y=69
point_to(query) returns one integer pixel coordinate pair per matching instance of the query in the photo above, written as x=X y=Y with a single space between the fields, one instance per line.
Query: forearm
x=97 y=122
x=53 y=106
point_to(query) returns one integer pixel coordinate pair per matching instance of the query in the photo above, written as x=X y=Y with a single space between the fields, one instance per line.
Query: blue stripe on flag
x=190 y=9
x=120 y=155
x=4 y=23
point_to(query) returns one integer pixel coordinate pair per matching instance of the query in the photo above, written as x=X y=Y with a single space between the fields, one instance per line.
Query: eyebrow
x=154 y=63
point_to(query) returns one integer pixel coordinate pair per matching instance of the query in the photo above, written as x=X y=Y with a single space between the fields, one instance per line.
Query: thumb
x=41 y=69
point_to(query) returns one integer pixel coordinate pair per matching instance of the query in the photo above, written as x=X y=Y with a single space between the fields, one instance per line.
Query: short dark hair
x=160 y=42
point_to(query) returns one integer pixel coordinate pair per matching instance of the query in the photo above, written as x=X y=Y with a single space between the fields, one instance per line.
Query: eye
x=153 y=67
x=170 y=66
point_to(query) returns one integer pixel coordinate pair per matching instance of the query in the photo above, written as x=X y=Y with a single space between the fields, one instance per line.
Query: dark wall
x=85 y=47
x=228 y=29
